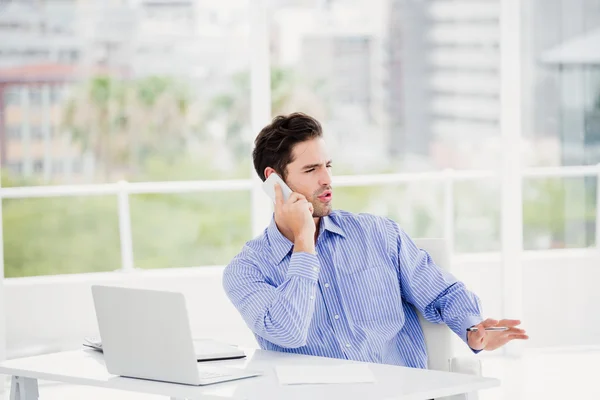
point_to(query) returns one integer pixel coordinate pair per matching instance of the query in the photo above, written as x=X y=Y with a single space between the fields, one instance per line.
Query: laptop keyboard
x=207 y=373
x=212 y=375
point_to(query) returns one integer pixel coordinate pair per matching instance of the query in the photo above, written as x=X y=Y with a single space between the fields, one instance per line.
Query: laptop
x=146 y=334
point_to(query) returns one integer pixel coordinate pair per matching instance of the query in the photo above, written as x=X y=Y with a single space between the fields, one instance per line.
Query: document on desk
x=308 y=374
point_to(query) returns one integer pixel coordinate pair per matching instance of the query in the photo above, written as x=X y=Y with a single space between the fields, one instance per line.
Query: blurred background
x=126 y=129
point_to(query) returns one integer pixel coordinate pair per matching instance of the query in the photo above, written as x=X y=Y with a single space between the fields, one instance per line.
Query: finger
x=278 y=194
x=295 y=197
x=509 y=322
x=518 y=337
x=488 y=323
x=515 y=331
x=480 y=334
x=311 y=208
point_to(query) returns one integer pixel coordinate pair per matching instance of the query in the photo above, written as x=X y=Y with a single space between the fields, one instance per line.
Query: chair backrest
x=438 y=337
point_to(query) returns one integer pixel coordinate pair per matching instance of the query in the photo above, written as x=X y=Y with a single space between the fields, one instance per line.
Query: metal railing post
x=125 y=236
x=449 y=213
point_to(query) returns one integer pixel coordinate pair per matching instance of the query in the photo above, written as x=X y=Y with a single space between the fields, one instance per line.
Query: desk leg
x=24 y=389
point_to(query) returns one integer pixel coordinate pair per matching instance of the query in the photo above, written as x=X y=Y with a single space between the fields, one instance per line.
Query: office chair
x=438 y=337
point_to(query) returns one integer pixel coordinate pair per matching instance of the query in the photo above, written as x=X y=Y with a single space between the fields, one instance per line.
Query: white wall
x=53 y=313
x=560 y=294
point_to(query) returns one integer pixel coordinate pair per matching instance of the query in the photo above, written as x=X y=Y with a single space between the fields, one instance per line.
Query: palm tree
x=90 y=118
x=123 y=122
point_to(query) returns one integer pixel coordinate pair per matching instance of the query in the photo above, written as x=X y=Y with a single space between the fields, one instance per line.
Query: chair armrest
x=466 y=365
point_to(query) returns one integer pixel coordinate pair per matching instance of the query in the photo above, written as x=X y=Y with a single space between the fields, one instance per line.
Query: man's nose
x=325 y=178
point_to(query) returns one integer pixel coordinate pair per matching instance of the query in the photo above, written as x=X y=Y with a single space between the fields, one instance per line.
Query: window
x=38 y=166
x=142 y=117
x=13 y=132
x=35 y=96
x=36 y=132
x=15 y=167
x=11 y=96
x=562 y=121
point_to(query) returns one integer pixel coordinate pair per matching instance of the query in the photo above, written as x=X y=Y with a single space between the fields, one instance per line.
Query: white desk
x=86 y=367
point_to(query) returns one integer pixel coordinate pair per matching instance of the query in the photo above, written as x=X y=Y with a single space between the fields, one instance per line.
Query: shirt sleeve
x=282 y=314
x=436 y=293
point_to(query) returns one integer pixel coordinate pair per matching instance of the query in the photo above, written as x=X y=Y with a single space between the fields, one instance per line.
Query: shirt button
x=315 y=269
x=336 y=316
x=348 y=345
x=327 y=285
x=312 y=297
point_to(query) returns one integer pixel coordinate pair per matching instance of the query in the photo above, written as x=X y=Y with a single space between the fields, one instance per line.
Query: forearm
x=458 y=307
x=281 y=315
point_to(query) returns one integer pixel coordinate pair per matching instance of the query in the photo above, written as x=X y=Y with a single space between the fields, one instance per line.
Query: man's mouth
x=326 y=196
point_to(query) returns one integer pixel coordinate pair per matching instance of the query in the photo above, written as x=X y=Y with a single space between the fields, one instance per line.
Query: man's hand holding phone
x=294 y=218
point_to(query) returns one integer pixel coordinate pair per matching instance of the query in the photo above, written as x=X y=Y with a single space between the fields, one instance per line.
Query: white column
x=260 y=103
x=511 y=178
x=598 y=210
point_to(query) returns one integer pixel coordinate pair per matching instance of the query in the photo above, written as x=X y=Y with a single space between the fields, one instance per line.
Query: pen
x=493 y=328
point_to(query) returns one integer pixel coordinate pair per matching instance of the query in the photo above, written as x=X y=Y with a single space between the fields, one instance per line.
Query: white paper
x=307 y=374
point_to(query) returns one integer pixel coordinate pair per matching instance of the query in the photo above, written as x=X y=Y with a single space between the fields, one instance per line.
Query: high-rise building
x=38 y=53
x=48 y=46
x=562 y=90
x=341 y=63
x=443 y=77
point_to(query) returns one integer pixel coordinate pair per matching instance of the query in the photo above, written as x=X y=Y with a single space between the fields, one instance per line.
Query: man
x=337 y=284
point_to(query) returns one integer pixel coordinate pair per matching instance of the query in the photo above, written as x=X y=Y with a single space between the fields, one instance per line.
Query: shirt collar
x=330 y=223
x=281 y=246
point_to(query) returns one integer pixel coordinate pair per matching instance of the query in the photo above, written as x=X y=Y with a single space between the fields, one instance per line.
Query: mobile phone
x=492 y=328
x=269 y=187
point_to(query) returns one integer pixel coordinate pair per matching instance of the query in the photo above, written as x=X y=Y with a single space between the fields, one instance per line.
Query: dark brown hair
x=274 y=144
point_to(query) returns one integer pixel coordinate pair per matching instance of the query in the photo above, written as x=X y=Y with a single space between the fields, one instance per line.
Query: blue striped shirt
x=356 y=299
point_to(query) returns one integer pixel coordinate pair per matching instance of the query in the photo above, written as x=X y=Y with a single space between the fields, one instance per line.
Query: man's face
x=310 y=174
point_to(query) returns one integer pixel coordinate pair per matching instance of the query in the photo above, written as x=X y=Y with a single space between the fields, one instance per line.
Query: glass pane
x=184 y=230
x=139 y=90
x=399 y=85
x=559 y=213
x=50 y=236
x=417 y=207
x=477 y=216
x=561 y=85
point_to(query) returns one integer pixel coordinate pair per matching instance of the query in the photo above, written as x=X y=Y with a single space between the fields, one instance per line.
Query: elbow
x=293 y=341
x=287 y=335
x=299 y=339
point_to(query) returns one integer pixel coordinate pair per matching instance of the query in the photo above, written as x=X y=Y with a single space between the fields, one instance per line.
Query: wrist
x=304 y=242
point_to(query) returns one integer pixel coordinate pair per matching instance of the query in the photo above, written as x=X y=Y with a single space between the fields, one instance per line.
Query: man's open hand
x=491 y=340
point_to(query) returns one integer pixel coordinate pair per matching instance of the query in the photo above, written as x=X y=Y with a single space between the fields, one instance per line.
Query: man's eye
x=329 y=166
x=309 y=170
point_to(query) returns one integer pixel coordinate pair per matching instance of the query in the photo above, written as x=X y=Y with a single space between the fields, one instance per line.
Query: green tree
x=546 y=211
x=124 y=121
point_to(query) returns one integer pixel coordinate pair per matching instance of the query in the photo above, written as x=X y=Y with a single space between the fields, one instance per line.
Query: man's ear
x=268 y=171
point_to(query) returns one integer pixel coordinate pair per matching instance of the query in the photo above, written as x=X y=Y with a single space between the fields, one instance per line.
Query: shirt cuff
x=304 y=265
x=468 y=322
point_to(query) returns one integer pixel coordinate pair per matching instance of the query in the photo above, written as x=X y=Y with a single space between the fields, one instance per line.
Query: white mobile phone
x=269 y=187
